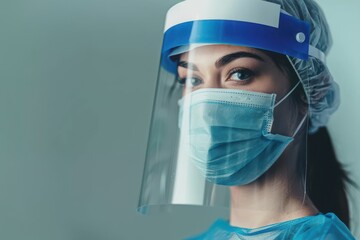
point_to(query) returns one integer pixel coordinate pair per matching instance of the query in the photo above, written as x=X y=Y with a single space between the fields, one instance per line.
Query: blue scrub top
x=319 y=227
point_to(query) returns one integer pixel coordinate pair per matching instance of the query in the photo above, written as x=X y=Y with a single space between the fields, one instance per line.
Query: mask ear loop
x=293 y=136
x=306 y=122
x=287 y=95
x=290 y=92
x=295 y=133
x=306 y=166
x=300 y=125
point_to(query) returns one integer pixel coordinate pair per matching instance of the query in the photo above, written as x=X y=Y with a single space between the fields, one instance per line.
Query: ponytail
x=326 y=179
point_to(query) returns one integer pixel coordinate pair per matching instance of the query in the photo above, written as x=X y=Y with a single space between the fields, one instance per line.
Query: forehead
x=214 y=52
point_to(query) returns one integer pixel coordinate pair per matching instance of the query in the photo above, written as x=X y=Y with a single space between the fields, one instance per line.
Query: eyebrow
x=231 y=57
x=187 y=65
x=223 y=60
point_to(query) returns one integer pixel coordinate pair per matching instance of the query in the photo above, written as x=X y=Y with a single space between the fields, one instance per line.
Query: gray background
x=77 y=81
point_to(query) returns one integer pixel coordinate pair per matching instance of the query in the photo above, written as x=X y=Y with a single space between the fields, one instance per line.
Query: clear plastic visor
x=227 y=130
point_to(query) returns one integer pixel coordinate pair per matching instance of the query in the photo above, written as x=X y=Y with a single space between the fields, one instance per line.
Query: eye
x=189 y=81
x=241 y=75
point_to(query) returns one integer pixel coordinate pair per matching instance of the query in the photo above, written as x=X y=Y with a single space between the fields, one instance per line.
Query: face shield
x=227 y=124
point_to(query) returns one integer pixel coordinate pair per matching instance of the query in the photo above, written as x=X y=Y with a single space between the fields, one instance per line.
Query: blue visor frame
x=290 y=38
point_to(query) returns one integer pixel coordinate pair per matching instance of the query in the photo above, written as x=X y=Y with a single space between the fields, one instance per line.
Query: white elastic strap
x=281 y=100
x=299 y=126
x=317 y=53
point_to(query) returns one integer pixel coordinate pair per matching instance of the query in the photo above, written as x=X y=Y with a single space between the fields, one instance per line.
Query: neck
x=266 y=202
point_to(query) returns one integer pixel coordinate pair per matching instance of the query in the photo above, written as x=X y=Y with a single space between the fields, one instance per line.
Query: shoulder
x=324 y=227
x=320 y=227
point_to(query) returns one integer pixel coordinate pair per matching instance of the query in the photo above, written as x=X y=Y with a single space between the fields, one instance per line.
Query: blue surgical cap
x=321 y=90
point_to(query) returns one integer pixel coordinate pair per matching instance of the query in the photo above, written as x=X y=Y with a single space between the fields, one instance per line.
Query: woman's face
x=235 y=67
x=225 y=66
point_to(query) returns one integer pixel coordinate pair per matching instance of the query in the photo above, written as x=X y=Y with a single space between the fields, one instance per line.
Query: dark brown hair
x=325 y=177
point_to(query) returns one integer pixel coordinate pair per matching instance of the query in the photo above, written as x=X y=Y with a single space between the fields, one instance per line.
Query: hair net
x=321 y=90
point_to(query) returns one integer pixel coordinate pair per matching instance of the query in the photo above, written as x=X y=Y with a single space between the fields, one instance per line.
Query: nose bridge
x=212 y=80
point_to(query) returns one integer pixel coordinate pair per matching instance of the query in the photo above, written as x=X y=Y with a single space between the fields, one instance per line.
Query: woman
x=252 y=84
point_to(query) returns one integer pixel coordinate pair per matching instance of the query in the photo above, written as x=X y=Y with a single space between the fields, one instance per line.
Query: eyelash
x=182 y=81
x=249 y=73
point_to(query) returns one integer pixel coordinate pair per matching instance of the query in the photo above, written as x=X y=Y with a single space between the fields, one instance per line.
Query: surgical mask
x=229 y=137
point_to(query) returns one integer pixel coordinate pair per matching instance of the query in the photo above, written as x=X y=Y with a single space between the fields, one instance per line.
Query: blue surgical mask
x=229 y=135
